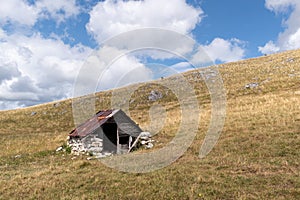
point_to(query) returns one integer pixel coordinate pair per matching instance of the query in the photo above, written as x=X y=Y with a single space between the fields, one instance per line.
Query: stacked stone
x=96 y=145
x=77 y=146
x=145 y=140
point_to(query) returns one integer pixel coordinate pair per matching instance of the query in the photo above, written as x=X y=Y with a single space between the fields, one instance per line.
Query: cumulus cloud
x=21 y=12
x=279 y=5
x=153 y=42
x=110 y=17
x=123 y=71
x=110 y=68
x=23 y=84
x=269 y=48
x=57 y=9
x=18 y=11
x=8 y=71
x=34 y=69
x=220 y=50
x=290 y=37
x=6 y=105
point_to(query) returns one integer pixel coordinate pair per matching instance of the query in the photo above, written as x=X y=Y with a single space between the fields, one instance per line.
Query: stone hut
x=107 y=132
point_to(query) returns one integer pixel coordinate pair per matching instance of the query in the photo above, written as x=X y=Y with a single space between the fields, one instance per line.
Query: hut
x=107 y=132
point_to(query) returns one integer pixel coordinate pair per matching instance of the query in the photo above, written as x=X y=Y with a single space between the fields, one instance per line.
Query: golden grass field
x=256 y=157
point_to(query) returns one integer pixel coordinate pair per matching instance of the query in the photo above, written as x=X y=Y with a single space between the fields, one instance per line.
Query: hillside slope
x=256 y=157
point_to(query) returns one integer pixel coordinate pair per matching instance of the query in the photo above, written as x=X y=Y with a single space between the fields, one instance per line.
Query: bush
x=67 y=148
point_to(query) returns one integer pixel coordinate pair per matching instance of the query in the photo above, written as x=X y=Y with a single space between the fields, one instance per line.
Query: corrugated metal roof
x=93 y=123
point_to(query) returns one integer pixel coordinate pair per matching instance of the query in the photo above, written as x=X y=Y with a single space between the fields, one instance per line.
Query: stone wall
x=90 y=144
x=94 y=145
x=76 y=145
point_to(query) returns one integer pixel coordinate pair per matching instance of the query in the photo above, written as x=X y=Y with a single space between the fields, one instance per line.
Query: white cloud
x=57 y=9
x=269 y=48
x=124 y=71
x=8 y=71
x=7 y=105
x=220 y=50
x=35 y=70
x=153 y=42
x=110 y=18
x=120 y=18
x=279 y=5
x=23 y=13
x=18 y=11
x=290 y=37
x=2 y=34
x=110 y=68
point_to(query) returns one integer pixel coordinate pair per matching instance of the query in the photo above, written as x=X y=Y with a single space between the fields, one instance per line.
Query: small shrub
x=68 y=149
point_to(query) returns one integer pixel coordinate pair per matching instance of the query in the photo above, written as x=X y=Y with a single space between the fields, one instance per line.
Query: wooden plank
x=118 y=142
x=135 y=142
x=129 y=141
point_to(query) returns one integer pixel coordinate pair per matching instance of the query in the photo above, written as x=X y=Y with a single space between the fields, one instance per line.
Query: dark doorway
x=124 y=143
x=110 y=137
x=124 y=139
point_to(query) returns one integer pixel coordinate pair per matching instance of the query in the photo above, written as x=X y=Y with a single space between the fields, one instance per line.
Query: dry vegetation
x=256 y=157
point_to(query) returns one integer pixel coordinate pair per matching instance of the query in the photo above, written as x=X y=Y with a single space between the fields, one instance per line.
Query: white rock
x=145 y=134
x=107 y=154
x=100 y=156
x=59 y=149
x=251 y=85
x=149 y=145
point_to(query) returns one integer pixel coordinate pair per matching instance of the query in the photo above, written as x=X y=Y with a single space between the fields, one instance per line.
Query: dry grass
x=257 y=155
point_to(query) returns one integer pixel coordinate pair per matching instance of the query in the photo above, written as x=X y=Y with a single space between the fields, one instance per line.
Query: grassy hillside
x=256 y=157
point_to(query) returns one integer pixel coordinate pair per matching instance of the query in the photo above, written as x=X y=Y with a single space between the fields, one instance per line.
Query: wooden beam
x=118 y=141
x=134 y=144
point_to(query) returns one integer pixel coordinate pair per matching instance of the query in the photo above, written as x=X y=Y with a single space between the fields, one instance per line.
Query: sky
x=44 y=44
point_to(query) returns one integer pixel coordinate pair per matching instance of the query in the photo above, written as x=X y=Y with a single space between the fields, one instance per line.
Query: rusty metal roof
x=93 y=123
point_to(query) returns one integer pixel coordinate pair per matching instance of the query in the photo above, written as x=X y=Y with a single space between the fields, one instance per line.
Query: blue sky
x=45 y=43
x=246 y=20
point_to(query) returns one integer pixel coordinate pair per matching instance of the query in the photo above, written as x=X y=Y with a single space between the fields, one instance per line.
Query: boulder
x=155 y=95
x=251 y=85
